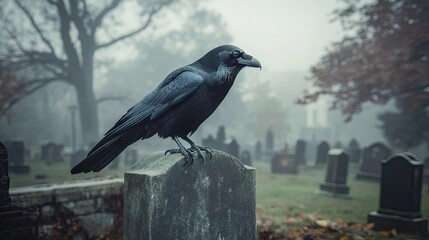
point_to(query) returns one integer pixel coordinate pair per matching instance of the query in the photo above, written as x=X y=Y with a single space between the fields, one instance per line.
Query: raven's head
x=227 y=61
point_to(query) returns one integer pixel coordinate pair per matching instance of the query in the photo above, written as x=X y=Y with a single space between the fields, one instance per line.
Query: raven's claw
x=186 y=154
x=199 y=150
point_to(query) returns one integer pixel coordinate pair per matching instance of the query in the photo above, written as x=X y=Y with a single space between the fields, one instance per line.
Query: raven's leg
x=182 y=150
x=198 y=148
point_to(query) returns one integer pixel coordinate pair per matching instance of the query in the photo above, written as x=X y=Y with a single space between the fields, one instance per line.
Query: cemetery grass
x=282 y=197
x=58 y=172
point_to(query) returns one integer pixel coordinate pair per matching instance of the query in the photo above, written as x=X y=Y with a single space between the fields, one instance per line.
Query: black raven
x=176 y=108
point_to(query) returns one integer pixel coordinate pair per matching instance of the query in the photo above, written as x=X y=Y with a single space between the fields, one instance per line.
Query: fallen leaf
x=322 y=223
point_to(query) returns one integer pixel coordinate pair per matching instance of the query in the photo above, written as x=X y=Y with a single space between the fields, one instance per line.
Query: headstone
x=221 y=135
x=258 y=150
x=269 y=142
x=370 y=166
x=400 y=196
x=246 y=158
x=233 y=148
x=335 y=184
x=165 y=199
x=209 y=141
x=283 y=162
x=17 y=164
x=77 y=156
x=4 y=176
x=322 y=153
x=14 y=222
x=300 y=152
x=52 y=152
x=131 y=157
x=354 y=151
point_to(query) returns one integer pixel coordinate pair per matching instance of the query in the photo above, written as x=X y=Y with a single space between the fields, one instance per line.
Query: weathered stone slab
x=165 y=199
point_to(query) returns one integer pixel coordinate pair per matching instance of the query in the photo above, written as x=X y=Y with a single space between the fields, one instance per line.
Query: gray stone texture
x=165 y=199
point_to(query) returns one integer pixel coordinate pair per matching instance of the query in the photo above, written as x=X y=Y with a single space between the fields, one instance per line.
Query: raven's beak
x=249 y=61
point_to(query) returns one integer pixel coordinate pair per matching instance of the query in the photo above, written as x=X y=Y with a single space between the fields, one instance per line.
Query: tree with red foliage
x=385 y=59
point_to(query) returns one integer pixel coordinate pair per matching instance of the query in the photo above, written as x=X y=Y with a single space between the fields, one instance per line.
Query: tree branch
x=37 y=84
x=104 y=12
x=35 y=26
x=132 y=33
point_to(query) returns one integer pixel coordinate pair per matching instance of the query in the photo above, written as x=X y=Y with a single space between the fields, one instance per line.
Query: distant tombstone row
x=16 y=152
x=370 y=165
x=335 y=184
x=400 y=195
x=14 y=222
x=52 y=152
x=220 y=143
x=283 y=162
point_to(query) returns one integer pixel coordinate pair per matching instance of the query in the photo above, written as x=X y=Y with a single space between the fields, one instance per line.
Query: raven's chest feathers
x=185 y=118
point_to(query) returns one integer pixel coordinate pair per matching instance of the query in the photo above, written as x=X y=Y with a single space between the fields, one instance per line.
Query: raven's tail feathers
x=101 y=156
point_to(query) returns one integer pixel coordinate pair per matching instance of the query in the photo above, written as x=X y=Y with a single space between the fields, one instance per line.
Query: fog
x=288 y=37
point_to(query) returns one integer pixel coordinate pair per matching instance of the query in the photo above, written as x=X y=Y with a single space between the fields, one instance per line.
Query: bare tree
x=59 y=39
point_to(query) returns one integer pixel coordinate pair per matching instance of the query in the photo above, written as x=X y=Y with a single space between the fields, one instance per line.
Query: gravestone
x=233 y=148
x=300 y=152
x=269 y=141
x=246 y=158
x=370 y=165
x=258 y=150
x=322 y=153
x=14 y=222
x=131 y=157
x=283 y=162
x=335 y=184
x=77 y=156
x=52 y=152
x=165 y=199
x=354 y=151
x=400 y=196
x=16 y=151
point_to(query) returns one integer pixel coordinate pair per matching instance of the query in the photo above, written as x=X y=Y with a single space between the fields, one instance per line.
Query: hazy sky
x=282 y=34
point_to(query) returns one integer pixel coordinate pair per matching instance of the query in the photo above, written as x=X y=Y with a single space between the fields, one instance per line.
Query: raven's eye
x=236 y=54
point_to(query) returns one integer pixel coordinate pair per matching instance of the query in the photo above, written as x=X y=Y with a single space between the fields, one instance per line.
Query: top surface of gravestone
x=411 y=158
x=159 y=163
x=337 y=151
x=3 y=152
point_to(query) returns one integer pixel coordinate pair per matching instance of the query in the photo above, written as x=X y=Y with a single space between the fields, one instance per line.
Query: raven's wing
x=159 y=101
x=173 y=90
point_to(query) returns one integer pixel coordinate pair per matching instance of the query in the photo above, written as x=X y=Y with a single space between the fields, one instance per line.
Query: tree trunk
x=85 y=95
x=88 y=112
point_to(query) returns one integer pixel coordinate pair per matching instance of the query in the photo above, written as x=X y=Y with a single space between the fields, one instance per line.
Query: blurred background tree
x=59 y=40
x=384 y=57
